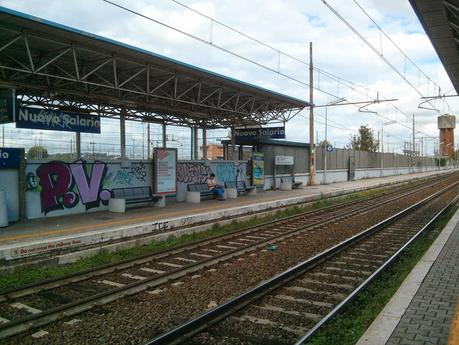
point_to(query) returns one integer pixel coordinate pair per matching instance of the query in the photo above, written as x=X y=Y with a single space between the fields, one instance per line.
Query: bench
x=240 y=187
x=197 y=191
x=288 y=183
x=136 y=195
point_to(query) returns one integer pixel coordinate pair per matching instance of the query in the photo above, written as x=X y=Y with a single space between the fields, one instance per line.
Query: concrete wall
x=9 y=182
x=198 y=171
x=58 y=188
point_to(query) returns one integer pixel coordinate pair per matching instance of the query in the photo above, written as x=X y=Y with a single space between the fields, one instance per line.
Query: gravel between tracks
x=138 y=318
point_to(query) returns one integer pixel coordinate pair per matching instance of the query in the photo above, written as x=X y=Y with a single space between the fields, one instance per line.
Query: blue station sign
x=56 y=120
x=260 y=133
x=9 y=158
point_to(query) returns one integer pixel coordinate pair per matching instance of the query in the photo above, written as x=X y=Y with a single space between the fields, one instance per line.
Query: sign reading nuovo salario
x=56 y=120
x=260 y=133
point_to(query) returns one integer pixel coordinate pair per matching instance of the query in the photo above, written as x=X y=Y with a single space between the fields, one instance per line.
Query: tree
x=324 y=143
x=37 y=152
x=365 y=140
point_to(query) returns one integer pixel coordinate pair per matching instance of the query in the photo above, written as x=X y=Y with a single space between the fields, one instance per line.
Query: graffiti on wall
x=225 y=172
x=63 y=185
x=192 y=172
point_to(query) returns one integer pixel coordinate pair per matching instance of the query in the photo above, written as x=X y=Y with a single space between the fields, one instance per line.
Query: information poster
x=165 y=172
x=258 y=169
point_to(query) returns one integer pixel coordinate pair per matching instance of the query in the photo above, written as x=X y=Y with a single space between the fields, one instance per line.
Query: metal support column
x=164 y=136
x=195 y=143
x=78 y=145
x=232 y=155
x=204 y=143
x=123 y=134
x=148 y=142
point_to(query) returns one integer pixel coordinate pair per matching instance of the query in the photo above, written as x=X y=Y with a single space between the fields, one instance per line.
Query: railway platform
x=425 y=309
x=66 y=239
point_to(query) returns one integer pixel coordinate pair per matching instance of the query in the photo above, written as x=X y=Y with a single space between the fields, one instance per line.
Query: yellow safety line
x=453 y=338
x=88 y=227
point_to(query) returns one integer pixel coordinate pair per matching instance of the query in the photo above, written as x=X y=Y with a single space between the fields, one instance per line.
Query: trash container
x=3 y=210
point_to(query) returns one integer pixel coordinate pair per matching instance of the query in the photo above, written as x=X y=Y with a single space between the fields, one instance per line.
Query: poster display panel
x=258 y=169
x=165 y=170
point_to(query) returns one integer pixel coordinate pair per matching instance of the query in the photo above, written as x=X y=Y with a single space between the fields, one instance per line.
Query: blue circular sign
x=329 y=148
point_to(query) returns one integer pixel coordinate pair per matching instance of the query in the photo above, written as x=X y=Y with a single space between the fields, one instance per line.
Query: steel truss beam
x=57 y=74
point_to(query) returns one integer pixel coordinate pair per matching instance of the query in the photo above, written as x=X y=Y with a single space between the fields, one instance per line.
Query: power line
x=373 y=48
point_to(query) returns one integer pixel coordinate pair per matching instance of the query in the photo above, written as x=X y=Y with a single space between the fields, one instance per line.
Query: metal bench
x=137 y=195
x=241 y=187
x=291 y=181
x=198 y=191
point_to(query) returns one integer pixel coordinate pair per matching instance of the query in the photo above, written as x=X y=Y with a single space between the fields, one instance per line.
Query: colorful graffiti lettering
x=138 y=171
x=225 y=172
x=122 y=177
x=192 y=172
x=60 y=182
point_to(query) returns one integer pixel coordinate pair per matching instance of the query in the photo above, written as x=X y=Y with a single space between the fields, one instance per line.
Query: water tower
x=446 y=125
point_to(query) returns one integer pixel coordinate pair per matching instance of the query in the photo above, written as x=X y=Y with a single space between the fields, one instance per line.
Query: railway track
x=48 y=301
x=290 y=307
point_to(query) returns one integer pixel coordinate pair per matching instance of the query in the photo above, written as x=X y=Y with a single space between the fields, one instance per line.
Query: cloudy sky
x=288 y=26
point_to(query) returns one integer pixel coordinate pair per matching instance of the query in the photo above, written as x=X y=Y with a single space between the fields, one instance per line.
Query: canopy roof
x=440 y=19
x=56 y=66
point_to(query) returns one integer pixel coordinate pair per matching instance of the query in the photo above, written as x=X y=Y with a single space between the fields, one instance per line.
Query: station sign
x=260 y=133
x=329 y=148
x=283 y=160
x=9 y=158
x=7 y=105
x=56 y=120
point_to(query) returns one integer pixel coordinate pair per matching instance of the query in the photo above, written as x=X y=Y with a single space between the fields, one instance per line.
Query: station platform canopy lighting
x=59 y=67
x=440 y=19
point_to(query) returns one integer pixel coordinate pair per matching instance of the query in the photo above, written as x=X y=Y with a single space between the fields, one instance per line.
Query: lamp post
x=335 y=102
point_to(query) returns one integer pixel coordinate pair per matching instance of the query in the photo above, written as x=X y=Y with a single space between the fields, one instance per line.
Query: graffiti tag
x=192 y=172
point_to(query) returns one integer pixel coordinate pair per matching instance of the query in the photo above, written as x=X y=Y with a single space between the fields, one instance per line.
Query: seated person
x=216 y=189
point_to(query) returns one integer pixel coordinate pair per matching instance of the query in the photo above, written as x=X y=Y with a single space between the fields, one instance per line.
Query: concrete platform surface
x=424 y=309
x=43 y=236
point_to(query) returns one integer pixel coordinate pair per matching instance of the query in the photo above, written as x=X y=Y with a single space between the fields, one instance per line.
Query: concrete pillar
x=78 y=145
x=123 y=134
x=195 y=143
x=164 y=136
x=204 y=143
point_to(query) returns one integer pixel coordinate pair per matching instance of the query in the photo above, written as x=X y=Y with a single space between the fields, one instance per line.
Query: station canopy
x=440 y=19
x=58 y=67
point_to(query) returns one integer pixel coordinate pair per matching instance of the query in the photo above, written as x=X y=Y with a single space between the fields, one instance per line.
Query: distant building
x=214 y=151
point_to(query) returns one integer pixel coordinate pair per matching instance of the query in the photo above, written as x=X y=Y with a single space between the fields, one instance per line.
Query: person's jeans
x=218 y=191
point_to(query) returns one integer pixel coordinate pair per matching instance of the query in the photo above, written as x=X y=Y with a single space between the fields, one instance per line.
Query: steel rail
x=128 y=263
x=374 y=275
x=211 y=317
x=53 y=314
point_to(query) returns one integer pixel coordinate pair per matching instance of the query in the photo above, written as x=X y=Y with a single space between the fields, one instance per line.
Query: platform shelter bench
x=241 y=188
x=288 y=183
x=135 y=196
x=197 y=191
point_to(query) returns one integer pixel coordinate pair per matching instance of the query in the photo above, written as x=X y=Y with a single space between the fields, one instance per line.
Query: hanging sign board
x=57 y=120
x=260 y=133
x=7 y=105
x=258 y=169
x=165 y=170
x=9 y=158
x=283 y=160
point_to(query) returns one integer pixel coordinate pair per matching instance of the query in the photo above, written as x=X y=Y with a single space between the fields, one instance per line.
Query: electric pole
x=311 y=177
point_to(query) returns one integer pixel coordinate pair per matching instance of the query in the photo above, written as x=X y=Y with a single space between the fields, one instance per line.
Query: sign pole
x=311 y=177
x=78 y=145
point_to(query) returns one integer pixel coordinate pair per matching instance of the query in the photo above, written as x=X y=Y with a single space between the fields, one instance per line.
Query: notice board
x=165 y=170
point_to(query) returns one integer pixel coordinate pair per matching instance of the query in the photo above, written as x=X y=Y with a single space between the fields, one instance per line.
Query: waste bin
x=3 y=210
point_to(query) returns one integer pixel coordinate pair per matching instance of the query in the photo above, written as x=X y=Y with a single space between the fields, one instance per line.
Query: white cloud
x=289 y=26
